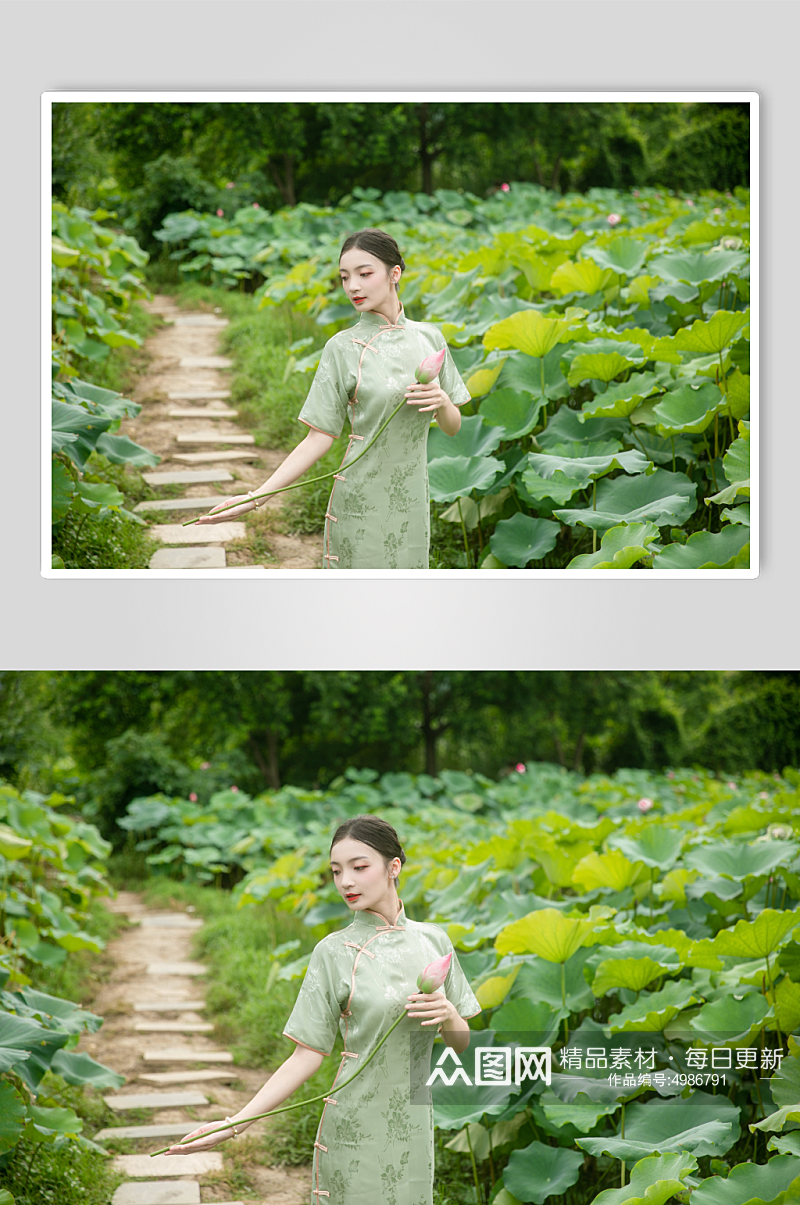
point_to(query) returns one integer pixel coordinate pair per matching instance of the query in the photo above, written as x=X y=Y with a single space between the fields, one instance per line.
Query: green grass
x=103 y=541
x=122 y=365
x=77 y=977
x=39 y=1175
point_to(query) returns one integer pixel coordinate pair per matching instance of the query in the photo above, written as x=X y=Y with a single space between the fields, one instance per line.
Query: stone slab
x=188 y=558
x=170 y=1006
x=198 y=395
x=167 y=504
x=212 y=533
x=187 y=1077
x=188 y=477
x=205 y=457
x=200 y=320
x=155 y=1100
x=182 y=1054
x=173 y=1027
x=174 y=1129
x=171 y=920
x=176 y=968
x=213 y=437
x=198 y=1164
x=204 y=412
x=157 y=1192
x=205 y=362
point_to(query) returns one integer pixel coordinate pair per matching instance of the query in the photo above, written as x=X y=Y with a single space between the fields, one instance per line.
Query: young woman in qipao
x=378 y=514
x=373 y=1144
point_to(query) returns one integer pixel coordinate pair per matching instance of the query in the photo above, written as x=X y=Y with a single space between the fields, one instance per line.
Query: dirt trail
x=193 y=336
x=119 y=1045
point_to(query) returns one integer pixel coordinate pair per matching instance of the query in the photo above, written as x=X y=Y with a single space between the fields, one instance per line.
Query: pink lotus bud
x=220 y=213
x=234 y=789
x=670 y=773
x=429 y=368
x=690 y=202
x=717 y=211
x=193 y=797
x=636 y=192
x=205 y=765
x=230 y=184
x=731 y=786
x=763 y=795
x=256 y=205
x=644 y=805
x=520 y=767
x=613 y=219
x=505 y=187
x=435 y=973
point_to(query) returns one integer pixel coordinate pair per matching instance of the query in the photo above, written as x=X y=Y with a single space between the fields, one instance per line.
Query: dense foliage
x=97 y=274
x=52 y=868
x=642 y=914
x=605 y=342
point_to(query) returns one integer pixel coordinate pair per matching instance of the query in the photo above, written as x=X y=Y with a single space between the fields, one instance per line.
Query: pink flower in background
x=220 y=213
x=505 y=187
x=230 y=184
x=644 y=805
x=690 y=202
x=256 y=205
x=520 y=768
x=434 y=974
x=717 y=211
x=670 y=773
x=205 y=765
x=613 y=219
x=193 y=796
x=234 y=789
x=636 y=192
x=731 y=786
x=428 y=370
x=763 y=795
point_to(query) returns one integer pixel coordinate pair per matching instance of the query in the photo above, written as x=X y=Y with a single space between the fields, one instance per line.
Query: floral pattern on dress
x=390 y=482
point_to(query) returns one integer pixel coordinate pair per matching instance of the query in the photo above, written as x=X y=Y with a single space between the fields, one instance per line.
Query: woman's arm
x=437 y=1010
x=300 y=1066
x=299 y=461
x=433 y=397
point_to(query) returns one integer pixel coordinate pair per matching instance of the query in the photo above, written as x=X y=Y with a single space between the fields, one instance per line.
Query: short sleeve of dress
x=450 y=380
x=325 y=408
x=457 y=989
x=314 y=1020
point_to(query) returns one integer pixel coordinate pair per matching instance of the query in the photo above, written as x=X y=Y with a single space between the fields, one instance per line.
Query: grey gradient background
x=401 y=623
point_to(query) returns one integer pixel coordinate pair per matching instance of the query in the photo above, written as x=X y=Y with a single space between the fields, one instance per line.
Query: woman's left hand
x=432 y=1008
x=427 y=397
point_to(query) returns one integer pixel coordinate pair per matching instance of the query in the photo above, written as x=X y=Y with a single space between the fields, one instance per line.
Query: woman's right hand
x=214 y=515
x=201 y=1143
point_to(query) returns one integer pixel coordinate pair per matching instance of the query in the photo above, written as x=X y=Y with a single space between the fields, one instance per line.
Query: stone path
x=155 y=974
x=185 y=405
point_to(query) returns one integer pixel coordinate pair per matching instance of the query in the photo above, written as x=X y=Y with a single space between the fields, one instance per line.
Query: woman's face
x=360 y=873
x=365 y=280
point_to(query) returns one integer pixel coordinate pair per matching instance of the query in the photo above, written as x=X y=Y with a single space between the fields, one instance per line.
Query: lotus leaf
x=597 y=366
x=547 y=933
x=78 y=1068
x=707 y=1138
x=566 y=426
x=785 y=1083
x=732 y=1020
x=663 y=497
x=737 y=861
x=687 y=410
x=653 y=1181
x=632 y=973
x=593 y=467
x=623 y=255
x=493 y=991
x=786 y=1002
x=698 y=267
x=453 y=476
x=119 y=449
x=524 y=373
x=483 y=380
x=621 y=400
x=535 y=1021
x=657 y=846
x=620 y=548
x=656 y=1119
x=12 y=845
x=750 y=1184
x=736 y=461
x=474 y=438
x=12 y=1117
x=606 y=870
x=473 y=1138
x=471 y=511
x=789 y=1144
x=725 y=549
x=537 y=1172
x=583 y=277
x=558 y=488
x=581 y=1112
x=713 y=336
x=737 y=389
x=516 y=414
x=653 y=1011
x=540 y=980
x=529 y=332
x=521 y=539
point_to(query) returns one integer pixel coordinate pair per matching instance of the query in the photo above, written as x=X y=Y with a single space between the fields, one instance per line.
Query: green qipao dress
x=378 y=514
x=373 y=1145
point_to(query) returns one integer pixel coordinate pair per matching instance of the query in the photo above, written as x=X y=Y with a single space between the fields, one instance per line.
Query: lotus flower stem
x=314 y=480
x=300 y=1103
x=478 y=1192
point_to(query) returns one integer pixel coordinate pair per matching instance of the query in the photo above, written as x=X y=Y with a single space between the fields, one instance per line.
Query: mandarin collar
x=375 y=920
x=372 y=319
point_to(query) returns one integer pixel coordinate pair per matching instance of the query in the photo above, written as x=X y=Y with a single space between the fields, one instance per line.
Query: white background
x=386 y=45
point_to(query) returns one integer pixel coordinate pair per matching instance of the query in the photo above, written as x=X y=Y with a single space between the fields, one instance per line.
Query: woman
x=372 y=1144
x=378 y=514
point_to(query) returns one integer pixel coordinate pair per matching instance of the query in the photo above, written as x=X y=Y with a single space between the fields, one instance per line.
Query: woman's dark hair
x=378 y=243
x=374 y=832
